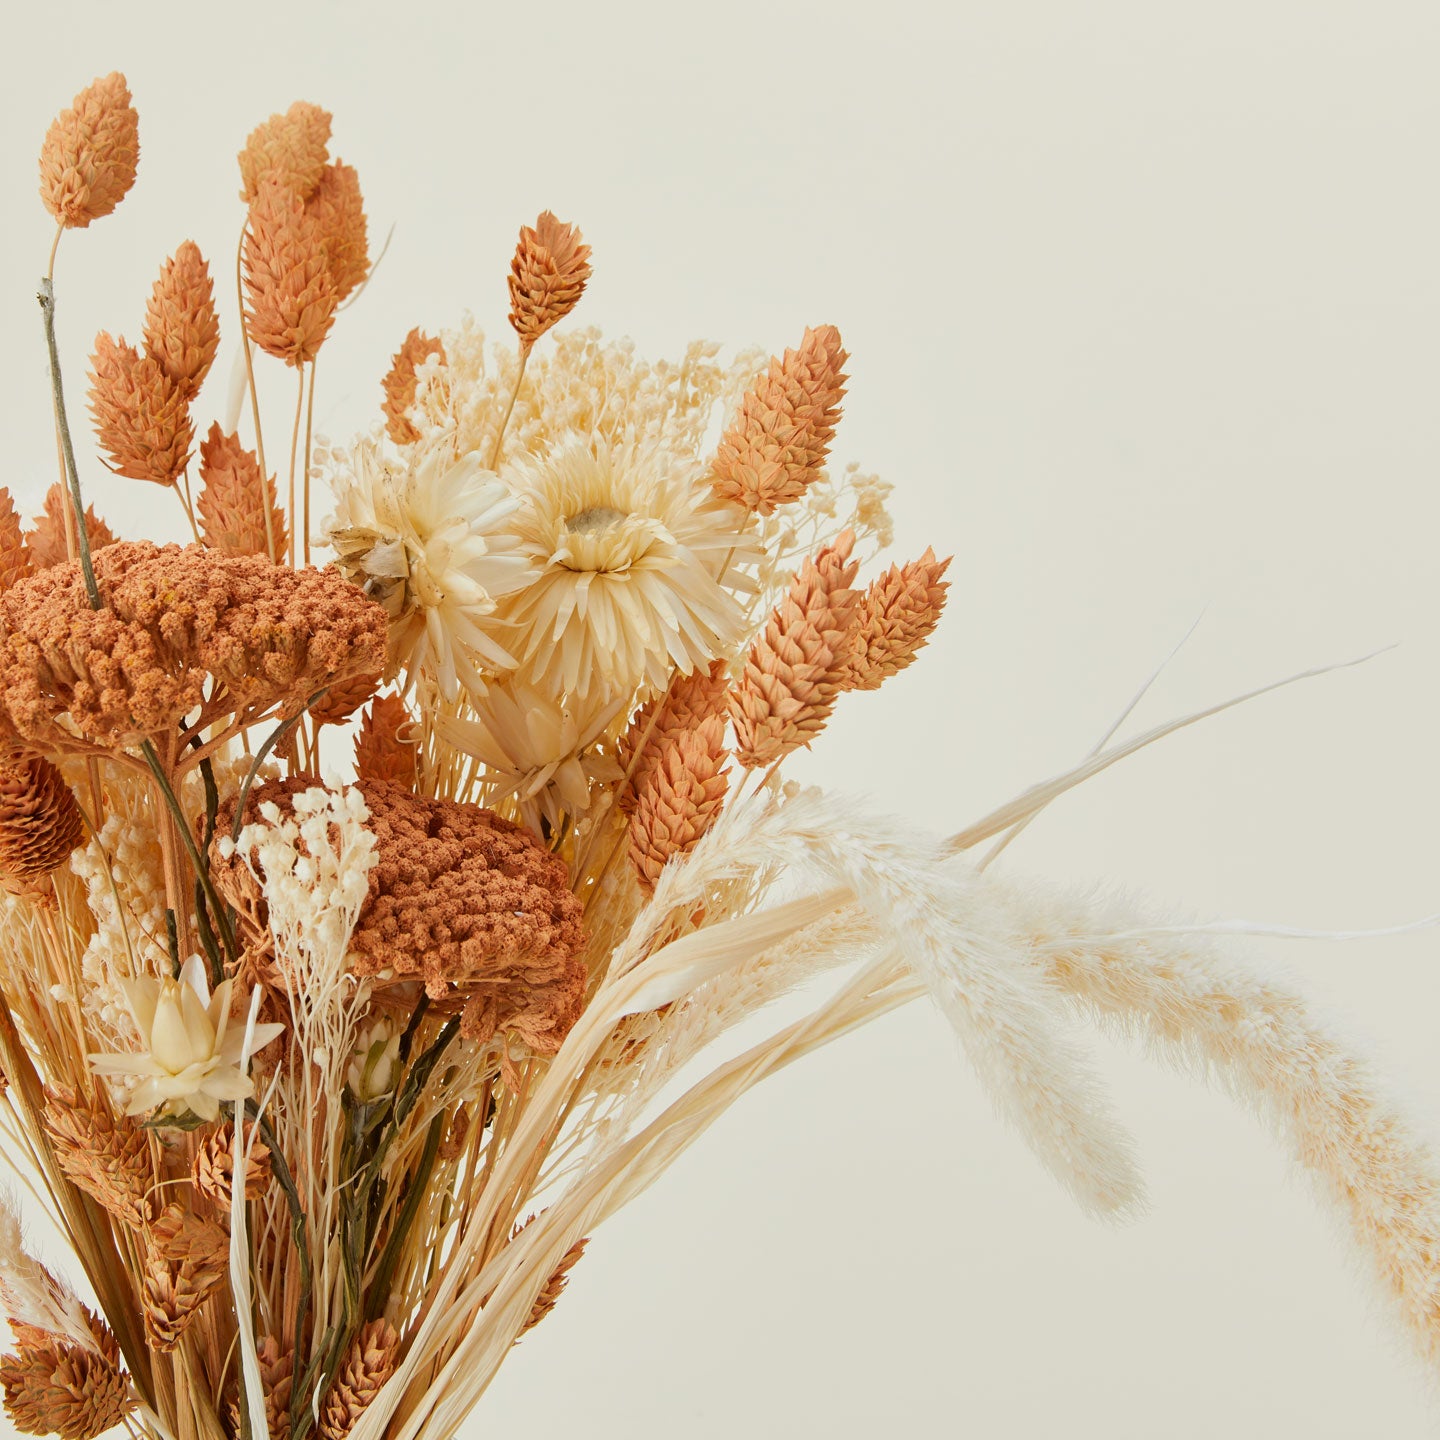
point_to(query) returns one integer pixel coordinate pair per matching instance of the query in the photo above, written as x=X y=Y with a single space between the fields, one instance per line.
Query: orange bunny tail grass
x=399 y=384
x=289 y=149
x=690 y=700
x=777 y=444
x=369 y=1363
x=40 y=823
x=88 y=160
x=338 y=210
x=235 y=499
x=46 y=545
x=897 y=615
x=141 y=416
x=547 y=277
x=547 y=1299
x=795 y=670
x=290 y=294
x=56 y=1387
x=681 y=796
x=14 y=561
x=182 y=330
x=380 y=753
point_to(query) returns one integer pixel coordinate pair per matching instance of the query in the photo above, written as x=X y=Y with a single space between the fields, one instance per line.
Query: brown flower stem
x=46 y=298
x=254 y=391
x=309 y=431
x=525 y=348
x=54 y=248
x=187 y=503
x=294 y=450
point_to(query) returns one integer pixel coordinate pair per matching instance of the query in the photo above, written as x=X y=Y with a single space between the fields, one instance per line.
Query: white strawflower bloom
x=430 y=538
x=375 y=1064
x=632 y=552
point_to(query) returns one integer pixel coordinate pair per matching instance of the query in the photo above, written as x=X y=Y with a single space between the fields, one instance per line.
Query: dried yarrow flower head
x=368 y=1364
x=239 y=511
x=895 y=618
x=795 y=671
x=40 y=823
x=777 y=445
x=547 y=276
x=54 y=1386
x=338 y=211
x=87 y=164
x=290 y=294
x=400 y=384
x=142 y=416
x=14 y=559
x=289 y=149
x=46 y=543
x=182 y=330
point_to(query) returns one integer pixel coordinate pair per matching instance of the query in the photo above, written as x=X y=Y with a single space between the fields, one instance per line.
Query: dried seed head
x=341 y=701
x=56 y=1387
x=338 y=210
x=290 y=149
x=186 y=1259
x=690 y=700
x=235 y=498
x=46 y=544
x=40 y=823
x=14 y=559
x=400 y=384
x=380 y=753
x=896 y=616
x=214 y=1168
x=106 y=1157
x=794 y=671
x=87 y=163
x=368 y=1364
x=679 y=799
x=778 y=443
x=290 y=293
x=546 y=1300
x=182 y=330
x=142 y=418
x=547 y=276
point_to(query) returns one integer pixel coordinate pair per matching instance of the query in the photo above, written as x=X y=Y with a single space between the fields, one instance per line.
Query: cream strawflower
x=193 y=1047
x=375 y=1064
x=628 y=545
x=430 y=538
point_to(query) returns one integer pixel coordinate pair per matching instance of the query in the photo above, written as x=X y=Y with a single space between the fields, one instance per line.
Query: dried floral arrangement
x=327 y=1083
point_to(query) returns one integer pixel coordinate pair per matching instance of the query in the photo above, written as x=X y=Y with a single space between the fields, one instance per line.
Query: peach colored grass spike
x=40 y=823
x=289 y=149
x=368 y=1364
x=45 y=544
x=233 y=498
x=400 y=384
x=682 y=794
x=88 y=160
x=182 y=330
x=14 y=560
x=142 y=419
x=690 y=700
x=338 y=210
x=57 y=1387
x=896 y=617
x=290 y=293
x=547 y=276
x=380 y=753
x=778 y=443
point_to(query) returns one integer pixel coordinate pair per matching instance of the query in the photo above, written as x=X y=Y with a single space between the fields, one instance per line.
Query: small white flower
x=374 y=1067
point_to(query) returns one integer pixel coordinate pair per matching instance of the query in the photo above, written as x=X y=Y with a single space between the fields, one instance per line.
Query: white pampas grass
x=29 y=1292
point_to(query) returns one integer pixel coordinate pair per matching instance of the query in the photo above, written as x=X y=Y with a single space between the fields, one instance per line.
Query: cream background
x=1143 y=303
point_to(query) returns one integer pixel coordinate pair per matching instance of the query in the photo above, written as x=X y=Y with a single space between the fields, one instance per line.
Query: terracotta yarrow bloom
x=627 y=546
x=193 y=1046
x=431 y=539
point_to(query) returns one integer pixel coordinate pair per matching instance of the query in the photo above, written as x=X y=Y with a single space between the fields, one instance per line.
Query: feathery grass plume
x=368 y=1364
x=45 y=544
x=380 y=753
x=234 y=498
x=14 y=560
x=290 y=293
x=31 y=1296
x=142 y=418
x=338 y=210
x=88 y=160
x=547 y=276
x=776 y=446
x=182 y=330
x=213 y=1169
x=793 y=672
x=289 y=149
x=689 y=702
x=53 y=1387
x=40 y=823
x=896 y=616
x=680 y=796
x=400 y=383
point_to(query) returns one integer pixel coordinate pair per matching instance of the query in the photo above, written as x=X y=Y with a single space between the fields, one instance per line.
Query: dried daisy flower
x=87 y=164
x=142 y=416
x=182 y=330
x=431 y=539
x=896 y=616
x=46 y=545
x=238 y=509
x=680 y=796
x=776 y=446
x=626 y=547
x=289 y=150
x=213 y=1169
x=368 y=1364
x=794 y=672
x=547 y=277
x=290 y=294
x=56 y=1387
x=40 y=823
x=192 y=1046
x=338 y=210
x=400 y=382
x=380 y=752
x=14 y=560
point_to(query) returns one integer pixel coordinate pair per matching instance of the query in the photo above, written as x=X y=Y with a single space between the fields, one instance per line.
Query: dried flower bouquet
x=326 y=1084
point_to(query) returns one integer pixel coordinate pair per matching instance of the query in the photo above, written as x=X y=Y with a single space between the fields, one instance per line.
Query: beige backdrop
x=1143 y=301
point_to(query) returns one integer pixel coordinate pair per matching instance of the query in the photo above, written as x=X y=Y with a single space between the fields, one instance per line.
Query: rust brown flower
x=88 y=160
x=182 y=330
x=46 y=544
x=547 y=276
x=142 y=418
x=289 y=149
x=338 y=210
x=290 y=293
x=400 y=384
